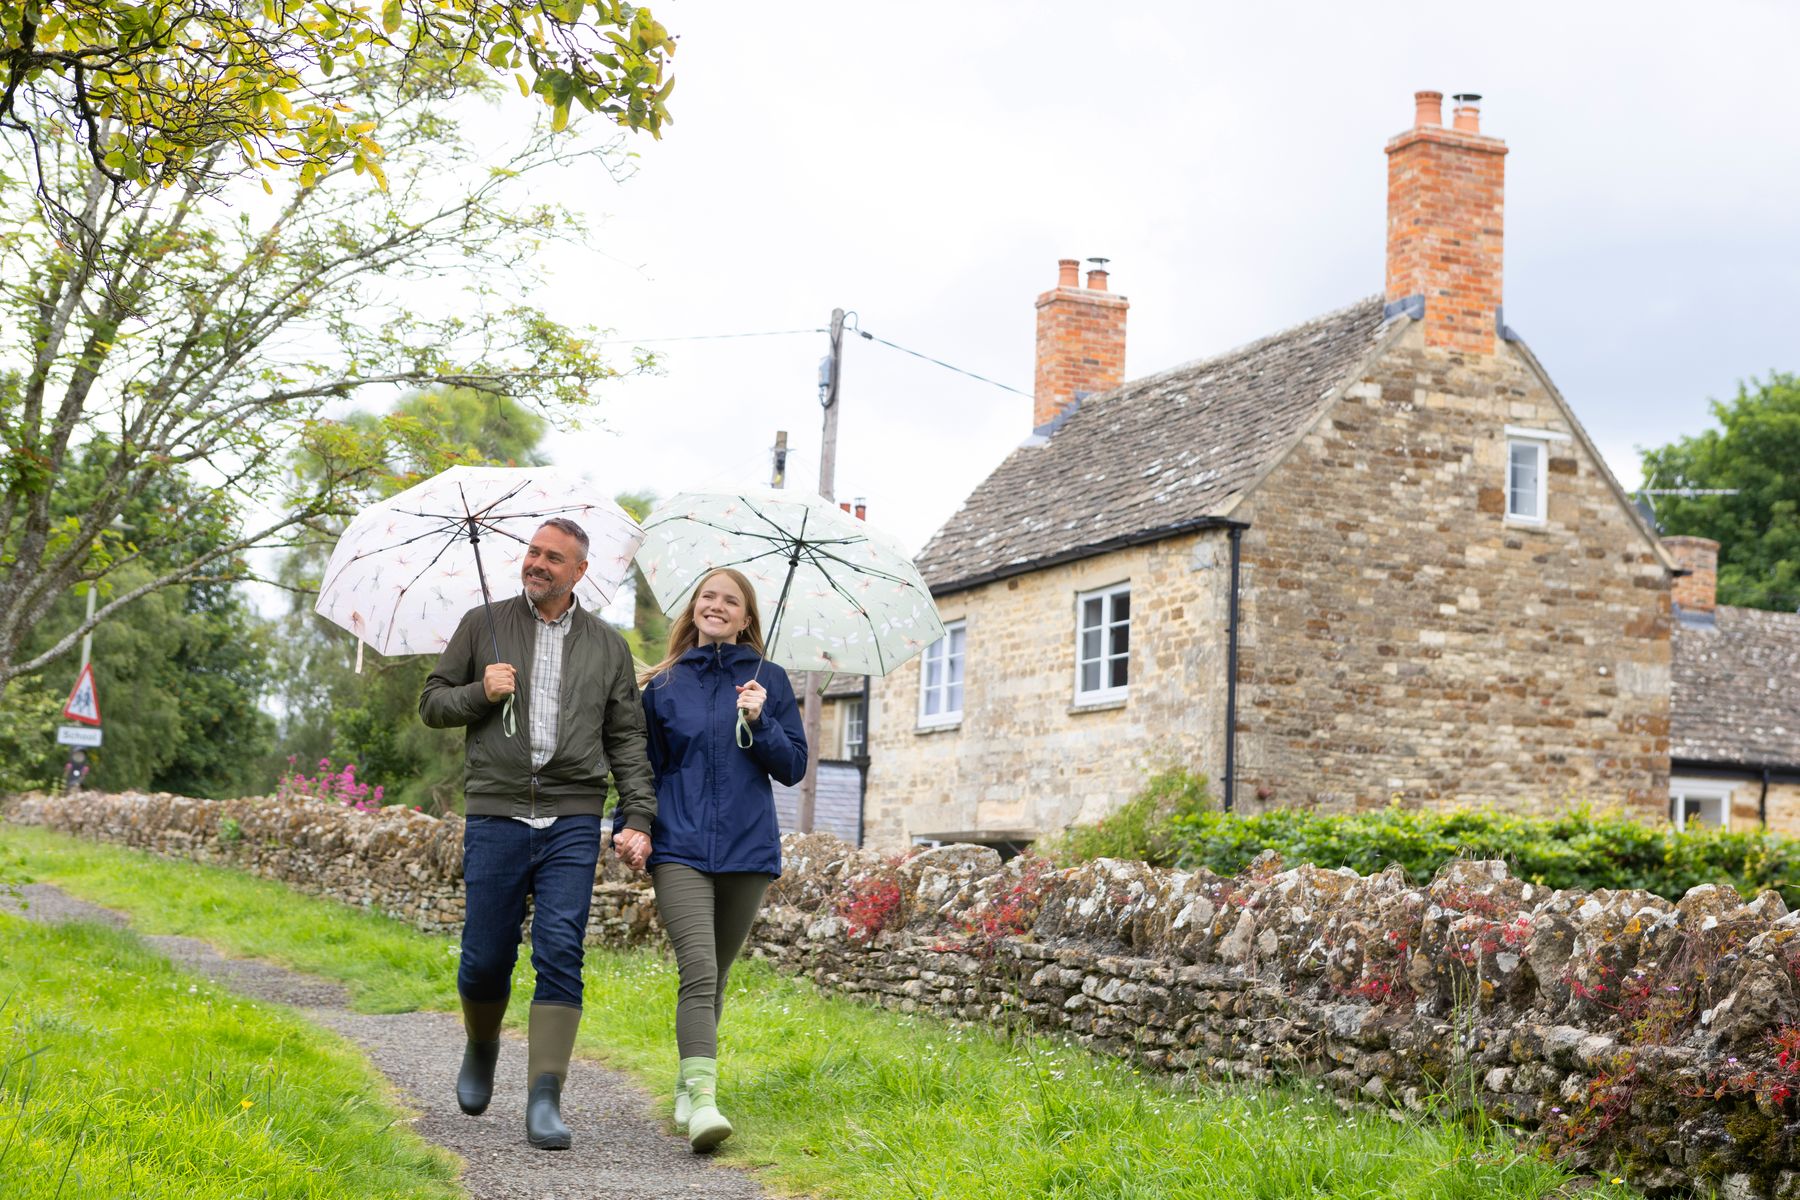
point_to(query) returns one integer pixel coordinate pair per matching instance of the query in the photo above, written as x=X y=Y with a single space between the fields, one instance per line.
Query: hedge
x=1172 y=822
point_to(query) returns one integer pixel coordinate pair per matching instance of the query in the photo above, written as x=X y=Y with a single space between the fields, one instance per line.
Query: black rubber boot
x=475 y=1082
x=551 y=1042
x=544 y=1126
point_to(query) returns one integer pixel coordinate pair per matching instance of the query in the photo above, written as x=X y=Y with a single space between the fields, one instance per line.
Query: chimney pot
x=1096 y=280
x=1068 y=273
x=862 y=509
x=844 y=504
x=1468 y=112
x=1428 y=108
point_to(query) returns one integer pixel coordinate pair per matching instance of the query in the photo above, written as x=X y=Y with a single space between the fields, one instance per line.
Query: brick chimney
x=1445 y=193
x=1080 y=342
x=1696 y=591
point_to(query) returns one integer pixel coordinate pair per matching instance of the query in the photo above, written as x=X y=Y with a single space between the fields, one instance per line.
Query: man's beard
x=540 y=590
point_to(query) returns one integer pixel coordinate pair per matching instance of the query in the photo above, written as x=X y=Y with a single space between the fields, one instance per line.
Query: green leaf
x=390 y=15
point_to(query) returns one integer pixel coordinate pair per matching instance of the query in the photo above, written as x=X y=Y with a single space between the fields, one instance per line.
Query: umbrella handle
x=745 y=739
x=508 y=720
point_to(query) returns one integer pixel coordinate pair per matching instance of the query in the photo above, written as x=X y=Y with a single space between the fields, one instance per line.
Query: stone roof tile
x=1155 y=455
x=1736 y=689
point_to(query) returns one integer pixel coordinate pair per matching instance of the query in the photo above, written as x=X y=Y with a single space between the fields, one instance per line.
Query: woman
x=722 y=723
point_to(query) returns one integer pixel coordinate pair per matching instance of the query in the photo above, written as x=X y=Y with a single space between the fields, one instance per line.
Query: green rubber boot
x=551 y=1040
x=684 y=1107
x=706 y=1126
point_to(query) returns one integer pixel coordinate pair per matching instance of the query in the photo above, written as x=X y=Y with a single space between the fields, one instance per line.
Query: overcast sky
x=926 y=165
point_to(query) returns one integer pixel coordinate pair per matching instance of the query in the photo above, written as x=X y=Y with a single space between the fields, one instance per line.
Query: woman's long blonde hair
x=684 y=635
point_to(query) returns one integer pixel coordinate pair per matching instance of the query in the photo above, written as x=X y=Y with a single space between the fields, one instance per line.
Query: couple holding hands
x=695 y=809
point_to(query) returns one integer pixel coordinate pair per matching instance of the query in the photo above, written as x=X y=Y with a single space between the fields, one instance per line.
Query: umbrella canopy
x=835 y=594
x=407 y=569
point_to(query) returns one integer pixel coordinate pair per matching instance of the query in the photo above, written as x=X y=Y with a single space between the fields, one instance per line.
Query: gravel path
x=621 y=1149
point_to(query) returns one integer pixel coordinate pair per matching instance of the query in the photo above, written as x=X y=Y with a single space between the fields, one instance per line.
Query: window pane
x=1090 y=676
x=1090 y=612
x=953 y=698
x=955 y=673
x=956 y=638
x=1120 y=641
x=934 y=673
x=1117 y=677
x=1522 y=480
x=1090 y=644
x=933 y=703
x=1121 y=605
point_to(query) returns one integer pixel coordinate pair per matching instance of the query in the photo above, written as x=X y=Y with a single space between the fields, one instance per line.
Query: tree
x=1756 y=454
x=177 y=94
x=205 y=338
x=181 y=674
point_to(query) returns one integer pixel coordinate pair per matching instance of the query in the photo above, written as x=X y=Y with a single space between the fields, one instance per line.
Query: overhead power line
x=940 y=362
x=865 y=334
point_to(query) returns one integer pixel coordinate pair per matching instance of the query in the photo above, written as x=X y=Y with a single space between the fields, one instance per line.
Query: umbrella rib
x=867 y=620
x=785 y=538
x=362 y=554
x=407 y=587
x=858 y=568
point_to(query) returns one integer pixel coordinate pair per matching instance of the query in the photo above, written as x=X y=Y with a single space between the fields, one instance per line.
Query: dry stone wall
x=1624 y=1030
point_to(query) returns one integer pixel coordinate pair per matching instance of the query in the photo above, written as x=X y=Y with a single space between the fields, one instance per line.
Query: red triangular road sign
x=84 y=701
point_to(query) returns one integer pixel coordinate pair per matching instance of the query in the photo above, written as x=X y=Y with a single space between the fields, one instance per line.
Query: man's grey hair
x=572 y=529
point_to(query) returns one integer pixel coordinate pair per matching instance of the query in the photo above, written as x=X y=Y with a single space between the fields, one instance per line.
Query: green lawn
x=121 y=1076
x=851 y=1101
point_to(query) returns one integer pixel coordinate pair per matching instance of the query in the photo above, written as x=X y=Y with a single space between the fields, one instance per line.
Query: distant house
x=1373 y=556
x=1735 y=714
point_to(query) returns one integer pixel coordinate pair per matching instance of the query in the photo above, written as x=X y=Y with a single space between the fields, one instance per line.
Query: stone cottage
x=1368 y=557
x=1735 y=714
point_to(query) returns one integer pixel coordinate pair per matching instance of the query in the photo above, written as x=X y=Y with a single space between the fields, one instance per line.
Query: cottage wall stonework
x=1026 y=758
x=1621 y=1030
x=1404 y=636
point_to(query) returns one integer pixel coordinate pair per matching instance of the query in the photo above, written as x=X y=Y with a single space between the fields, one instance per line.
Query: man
x=548 y=717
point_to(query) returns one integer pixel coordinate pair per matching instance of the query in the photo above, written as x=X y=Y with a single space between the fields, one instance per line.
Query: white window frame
x=1683 y=790
x=1106 y=693
x=856 y=718
x=1541 y=447
x=952 y=631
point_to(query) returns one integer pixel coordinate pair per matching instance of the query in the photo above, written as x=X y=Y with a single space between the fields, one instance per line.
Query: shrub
x=1144 y=828
x=1579 y=848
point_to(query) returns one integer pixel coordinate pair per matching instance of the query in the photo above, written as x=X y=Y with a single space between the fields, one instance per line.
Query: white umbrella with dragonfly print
x=838 y=594
x=407 y=568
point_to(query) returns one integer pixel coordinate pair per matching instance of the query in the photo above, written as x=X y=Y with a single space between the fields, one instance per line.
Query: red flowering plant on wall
x=1012 y=912
x=872 y=901
x=339 y=785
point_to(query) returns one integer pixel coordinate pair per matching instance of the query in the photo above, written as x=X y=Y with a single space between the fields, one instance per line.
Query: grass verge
x=121 y=1076
x=850 y=1101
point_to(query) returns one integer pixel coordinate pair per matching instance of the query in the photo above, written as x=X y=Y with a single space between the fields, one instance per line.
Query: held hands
x=499 y=681
x=750 y=700
x=633 y=847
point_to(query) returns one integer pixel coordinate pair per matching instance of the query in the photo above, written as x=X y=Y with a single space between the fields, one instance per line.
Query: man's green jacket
x=599 y=724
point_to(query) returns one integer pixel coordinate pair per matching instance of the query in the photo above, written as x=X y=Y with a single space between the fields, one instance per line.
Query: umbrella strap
x=508 y=720
x=745 y=739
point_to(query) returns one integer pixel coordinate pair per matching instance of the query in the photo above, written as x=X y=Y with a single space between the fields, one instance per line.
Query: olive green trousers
x=708 y=917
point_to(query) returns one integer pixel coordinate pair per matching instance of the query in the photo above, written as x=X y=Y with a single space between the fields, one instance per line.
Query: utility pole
x=831 y=374
x=778 y=468
x=87 y=639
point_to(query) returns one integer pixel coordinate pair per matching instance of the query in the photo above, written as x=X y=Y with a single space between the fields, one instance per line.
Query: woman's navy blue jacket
x=715 y=811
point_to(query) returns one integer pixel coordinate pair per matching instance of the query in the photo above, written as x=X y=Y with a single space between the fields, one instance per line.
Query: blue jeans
x=503 y=862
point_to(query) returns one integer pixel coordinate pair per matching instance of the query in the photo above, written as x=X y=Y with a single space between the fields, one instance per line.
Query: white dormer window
x=1525 y=461
x=1700 y=803
x=1528 y=473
